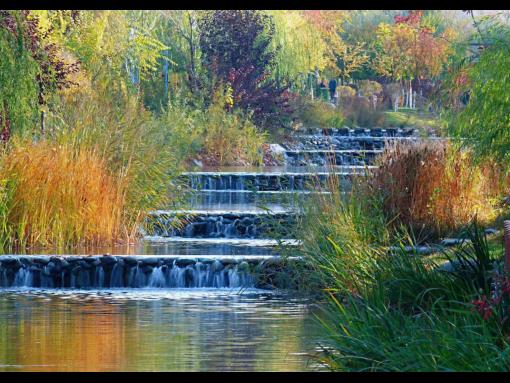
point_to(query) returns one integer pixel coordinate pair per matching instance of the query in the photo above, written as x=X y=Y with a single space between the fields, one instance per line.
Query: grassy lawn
x=408 y=117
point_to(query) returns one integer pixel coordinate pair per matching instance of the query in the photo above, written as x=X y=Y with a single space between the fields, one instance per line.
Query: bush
x=433 y=188
x=341 y=234
x=130 y=140
x=358 y=111
x=213 y=134
x=389 y=311
x=317 y=113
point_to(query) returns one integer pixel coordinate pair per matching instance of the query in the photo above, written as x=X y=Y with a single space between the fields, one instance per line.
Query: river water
x=155 y=330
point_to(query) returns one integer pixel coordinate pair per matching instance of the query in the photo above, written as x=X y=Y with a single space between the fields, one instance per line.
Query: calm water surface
x=155 y=330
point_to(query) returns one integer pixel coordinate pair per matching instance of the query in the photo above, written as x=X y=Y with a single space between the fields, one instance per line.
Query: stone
x=182 y=262
x=130 y=260
x=454 y=241
x=152 y=261
x=41 y=260
x=108 y=260
x=491 y=231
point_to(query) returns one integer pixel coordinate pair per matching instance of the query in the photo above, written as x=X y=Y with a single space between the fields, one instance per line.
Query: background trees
x=236 y=48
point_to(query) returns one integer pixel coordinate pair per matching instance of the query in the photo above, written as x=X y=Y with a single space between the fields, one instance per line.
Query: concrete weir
x=124 y=271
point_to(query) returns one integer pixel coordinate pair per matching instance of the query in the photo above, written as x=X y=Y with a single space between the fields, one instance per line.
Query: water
x=155 y=330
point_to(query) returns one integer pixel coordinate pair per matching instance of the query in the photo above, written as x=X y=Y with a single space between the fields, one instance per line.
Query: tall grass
x=317 y=113
x=386 y=309
x=214 y=134
x=103 y=163
x=61 y=196
x=434 y=188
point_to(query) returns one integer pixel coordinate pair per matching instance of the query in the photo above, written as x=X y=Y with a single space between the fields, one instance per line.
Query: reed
x=59 y=196
x=434 y=188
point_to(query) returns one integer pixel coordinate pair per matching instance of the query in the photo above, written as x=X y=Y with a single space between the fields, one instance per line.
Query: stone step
x=323 y=157
x=92 y=272
x=270 y=181
x=241 y=199
x=255 y=223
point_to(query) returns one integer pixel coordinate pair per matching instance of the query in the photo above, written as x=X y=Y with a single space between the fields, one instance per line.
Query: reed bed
x=390 y=310
x=58 y=196
x=434 y=188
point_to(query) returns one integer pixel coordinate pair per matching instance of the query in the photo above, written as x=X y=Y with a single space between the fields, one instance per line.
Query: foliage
x=61 y=197
x=242 y=58
x=297 y=44
x=340 y=234
x=18 y=90
x=409 y=117
x=31 y=69
x=433 y=188
x=319 y=113
x=408 y=49
x=360 y=111
x=388 y=310
x=483 y=123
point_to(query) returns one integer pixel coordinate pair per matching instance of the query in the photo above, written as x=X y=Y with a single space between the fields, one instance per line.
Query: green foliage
x=215 y=135
x=319 y=113
x=388 y=310
x=132 y=142
x=297 y=44
x=18 y=88
x=483 y=123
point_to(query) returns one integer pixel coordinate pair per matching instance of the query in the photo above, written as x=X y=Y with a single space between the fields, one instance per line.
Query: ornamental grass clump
x=434 y=188
x=60 y=197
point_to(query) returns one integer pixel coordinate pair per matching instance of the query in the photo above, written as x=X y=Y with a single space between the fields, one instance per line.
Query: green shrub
x=317 y=113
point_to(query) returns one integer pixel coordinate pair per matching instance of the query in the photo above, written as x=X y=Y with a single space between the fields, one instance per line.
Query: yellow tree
x=408 y=50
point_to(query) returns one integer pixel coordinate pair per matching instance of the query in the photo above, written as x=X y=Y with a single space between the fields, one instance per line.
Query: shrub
x=236 y=49
x=341 y=234
x=319 y=113
x=135 y=150
x=230 y=138
x=358 y=111
x=213 y=134
x=433 y=188
x=389 y=311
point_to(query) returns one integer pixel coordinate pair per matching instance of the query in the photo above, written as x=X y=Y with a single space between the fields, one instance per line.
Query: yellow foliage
x=62 y=196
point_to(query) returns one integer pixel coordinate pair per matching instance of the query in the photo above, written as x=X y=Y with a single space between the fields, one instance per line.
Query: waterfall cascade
x=237 y=218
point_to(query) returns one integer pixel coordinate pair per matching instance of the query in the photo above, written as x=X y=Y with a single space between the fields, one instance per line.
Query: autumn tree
x=409 y=50
x=236 y=48
x=32 y=67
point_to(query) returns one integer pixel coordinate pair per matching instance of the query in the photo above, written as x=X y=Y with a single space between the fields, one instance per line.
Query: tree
x=484 y=122
x=408 y=50
x=236 y=47
x=298 y=46
x=32 y=68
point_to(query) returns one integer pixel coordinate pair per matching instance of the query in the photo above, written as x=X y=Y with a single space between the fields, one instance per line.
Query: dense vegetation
x=391 y=308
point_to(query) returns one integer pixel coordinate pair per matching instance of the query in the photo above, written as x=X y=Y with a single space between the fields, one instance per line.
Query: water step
x=92 y=272
x=253 y=223
x=218 y=246
x=317 y=142
x=252 y=242
x=265 y=181
x=361 y=132
x=242 y=199
x=323 y=157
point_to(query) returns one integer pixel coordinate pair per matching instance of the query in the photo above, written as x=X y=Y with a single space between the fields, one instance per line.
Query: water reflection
x=147 y=330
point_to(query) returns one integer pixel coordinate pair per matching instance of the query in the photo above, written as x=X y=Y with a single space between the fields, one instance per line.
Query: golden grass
x=61 y=196
x=434 y=188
